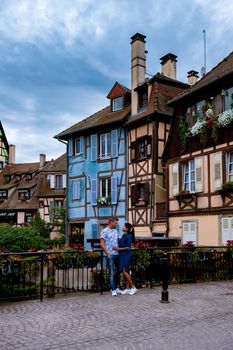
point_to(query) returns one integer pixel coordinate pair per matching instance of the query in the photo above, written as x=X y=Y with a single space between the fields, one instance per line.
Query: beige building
x=199 y=160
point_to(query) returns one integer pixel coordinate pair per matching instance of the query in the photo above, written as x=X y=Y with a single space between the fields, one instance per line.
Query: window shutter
x=93 y=148
x=189 y=231
x=52 y=181
x=76 y=189
x=94 y=231
x=217 y=160
x=227 y=229
x=199 y=174
x=114 y=190
x=81 y=144
x=64 y=180
x=70 y=147
x=93 y=191
x=134 y=198
x=132 y=151
x=51 y=210
x=114 y=143
x=218 y=107
x=147 y=192
x=175 y=179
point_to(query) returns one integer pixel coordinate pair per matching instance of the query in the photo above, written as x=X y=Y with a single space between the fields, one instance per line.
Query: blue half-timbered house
x=97 y=168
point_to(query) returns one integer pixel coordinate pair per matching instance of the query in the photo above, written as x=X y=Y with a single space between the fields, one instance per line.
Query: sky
x=60 y=58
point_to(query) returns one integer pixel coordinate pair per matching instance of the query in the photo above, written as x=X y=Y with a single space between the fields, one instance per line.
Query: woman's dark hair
x=130 y=231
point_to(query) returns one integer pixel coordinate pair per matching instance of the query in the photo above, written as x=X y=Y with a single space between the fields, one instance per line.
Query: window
x=58 y=182
x=3 y=194
x=105 y=187
x=7 y=178
x=189 y=231
x=228 y=99
x=117 y=103
x=198 y=109
x=105 y=146
x=142 y=98
x=17 y=177
x=230 y=166
x=1 y=165
x=28 y=177
x=41 y=204
x=23 y=195
x=189 y=176
x=226 y=229
x=141 y=148
x=140 y=193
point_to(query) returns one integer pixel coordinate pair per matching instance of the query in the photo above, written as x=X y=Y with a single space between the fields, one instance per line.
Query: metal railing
x=45 y=274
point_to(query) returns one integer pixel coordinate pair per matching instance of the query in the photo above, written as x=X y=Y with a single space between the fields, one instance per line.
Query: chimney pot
x=42 y=160
x=168 y=63
x=138 y=67
x=11 y=154
x=192 y=77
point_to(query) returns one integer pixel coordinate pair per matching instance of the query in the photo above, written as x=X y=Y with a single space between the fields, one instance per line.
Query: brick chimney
x=168 y=65
x=11 y=154
x=192 y=77
x=42 y=160
x=138 y=67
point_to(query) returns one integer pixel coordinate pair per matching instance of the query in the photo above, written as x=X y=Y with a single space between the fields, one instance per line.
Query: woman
x=124 y=249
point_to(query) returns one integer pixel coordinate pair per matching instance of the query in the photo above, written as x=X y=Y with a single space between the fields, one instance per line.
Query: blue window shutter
x=114 y=142
x=94 y=231
x=93 y=191
x=76 y=189
x=70 y=147
x=114 y=190
x=81 y=144
x=93 y=147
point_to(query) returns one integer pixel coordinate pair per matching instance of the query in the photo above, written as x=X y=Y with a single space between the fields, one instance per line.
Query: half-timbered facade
x=4 y=148
x=148 y=128
x=96 y=172
x=51 y=193
x=199 y=158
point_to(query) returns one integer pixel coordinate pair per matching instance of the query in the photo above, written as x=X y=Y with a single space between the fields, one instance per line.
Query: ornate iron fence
x=45 y=274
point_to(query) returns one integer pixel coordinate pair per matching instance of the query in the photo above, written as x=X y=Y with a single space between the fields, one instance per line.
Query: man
x=108 y=240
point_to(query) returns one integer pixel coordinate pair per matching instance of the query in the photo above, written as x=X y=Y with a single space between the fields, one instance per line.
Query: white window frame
x=117 y=103
x=107 y=181
x=75 y=146
x=105 y=142
x=230 y=166
x=187 y=184
x=192 y=234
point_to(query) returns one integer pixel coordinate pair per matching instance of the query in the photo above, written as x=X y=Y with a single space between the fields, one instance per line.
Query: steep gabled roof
x=118 y=90
x=4 y=136
x=223 y=69
x=158 y=97
x=103 y=117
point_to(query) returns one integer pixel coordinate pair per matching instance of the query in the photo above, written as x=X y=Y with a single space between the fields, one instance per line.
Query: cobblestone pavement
x=199 y=316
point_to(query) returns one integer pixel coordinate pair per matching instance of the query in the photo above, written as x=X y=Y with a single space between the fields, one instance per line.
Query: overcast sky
x=60 y=58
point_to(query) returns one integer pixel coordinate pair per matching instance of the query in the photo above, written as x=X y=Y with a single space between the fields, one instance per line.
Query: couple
x=118 y=252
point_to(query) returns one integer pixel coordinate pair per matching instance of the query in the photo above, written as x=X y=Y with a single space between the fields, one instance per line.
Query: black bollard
x=165 y=278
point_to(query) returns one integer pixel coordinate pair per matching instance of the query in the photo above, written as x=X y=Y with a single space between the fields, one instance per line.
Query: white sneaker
x=119 y=291
x=125 y=291
x=114 y=293
x=132 y=291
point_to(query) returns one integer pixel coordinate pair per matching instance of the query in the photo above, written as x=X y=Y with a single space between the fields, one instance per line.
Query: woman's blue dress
x=125 y=256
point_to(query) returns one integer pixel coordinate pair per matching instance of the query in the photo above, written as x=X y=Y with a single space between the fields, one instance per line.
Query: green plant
x=203 y=136
x=215 y=132
x=227 y=185
x=183 y=131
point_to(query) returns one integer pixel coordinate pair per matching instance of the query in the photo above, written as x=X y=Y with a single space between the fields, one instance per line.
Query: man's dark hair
x=112 y=219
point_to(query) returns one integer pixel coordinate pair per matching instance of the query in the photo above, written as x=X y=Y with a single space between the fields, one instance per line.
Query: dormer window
x=28 y=177
x=23 y=195
x=3 y=194
x=117 y=103
x=142 y=97
x=7 y=178
x=17 y=177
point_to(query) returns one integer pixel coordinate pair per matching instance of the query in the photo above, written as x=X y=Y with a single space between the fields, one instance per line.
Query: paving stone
x=199 y=316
